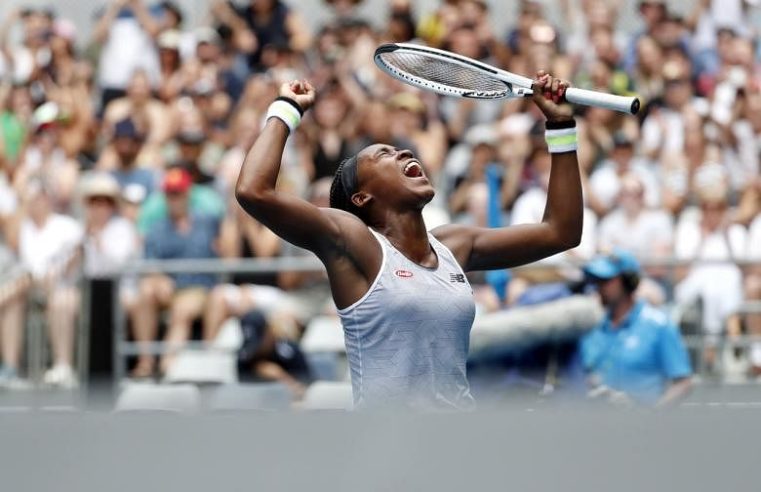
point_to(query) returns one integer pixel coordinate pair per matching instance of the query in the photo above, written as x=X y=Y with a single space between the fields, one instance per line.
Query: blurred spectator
x=243 y=237
x=287 y=299
x=202 y=200
x=124 y=149
x=182 y=235
x=15 y=114
x=753 y=293
x=110 y=240
x=150 y=117
x=45 y=159
x=707 y=235
x=635 y=354
x=126 y=30
x=274 y=23
x=328 y=142
x=48 y=248
x=606 y=180
x=265 y=355
x=646 y=233
x=663 y=130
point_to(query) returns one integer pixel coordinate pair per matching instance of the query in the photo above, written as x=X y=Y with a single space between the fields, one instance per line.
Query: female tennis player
x=403 y=298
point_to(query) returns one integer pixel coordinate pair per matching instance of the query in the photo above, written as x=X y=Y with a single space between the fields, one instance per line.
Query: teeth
x=409 y=167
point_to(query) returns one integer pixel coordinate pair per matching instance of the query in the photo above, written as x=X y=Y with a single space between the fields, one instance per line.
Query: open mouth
x=413 y=169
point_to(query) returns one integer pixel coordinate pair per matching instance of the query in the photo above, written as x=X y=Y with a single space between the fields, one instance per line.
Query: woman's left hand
x=549 y=96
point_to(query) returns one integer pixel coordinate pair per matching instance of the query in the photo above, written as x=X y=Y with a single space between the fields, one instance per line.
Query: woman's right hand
x=300 y=91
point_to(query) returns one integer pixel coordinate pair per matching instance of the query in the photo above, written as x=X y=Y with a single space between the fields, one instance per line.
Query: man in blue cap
x=636 y=353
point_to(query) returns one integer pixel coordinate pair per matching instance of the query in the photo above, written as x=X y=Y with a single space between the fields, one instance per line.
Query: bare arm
x=243 y=38
x=290 y=217
x=677 y=390
x=5 y=29
x=301 y=38
x=147 y=22
x=100 y=32
x=560 y=229
x=342 y=241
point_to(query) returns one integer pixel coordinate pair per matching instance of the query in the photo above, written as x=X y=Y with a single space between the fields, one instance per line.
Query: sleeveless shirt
x=407 y=338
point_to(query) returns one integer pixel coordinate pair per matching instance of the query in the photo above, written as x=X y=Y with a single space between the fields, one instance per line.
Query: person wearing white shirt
x=48 y=249
x=111 y=240
x=647 y=233
x=529 y=208
x=753 y=292
x=706 y=237
x=605 y=181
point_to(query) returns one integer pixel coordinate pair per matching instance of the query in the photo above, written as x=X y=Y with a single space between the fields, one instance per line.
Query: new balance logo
x=457 y=277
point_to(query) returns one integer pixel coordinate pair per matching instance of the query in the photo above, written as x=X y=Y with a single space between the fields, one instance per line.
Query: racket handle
x=602 y=100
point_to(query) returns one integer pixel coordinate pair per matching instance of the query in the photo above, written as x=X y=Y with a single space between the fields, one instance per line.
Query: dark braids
x=338 y=198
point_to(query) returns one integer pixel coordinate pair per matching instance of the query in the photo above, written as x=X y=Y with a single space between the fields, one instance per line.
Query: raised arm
x=484 y=249
x=295 y=220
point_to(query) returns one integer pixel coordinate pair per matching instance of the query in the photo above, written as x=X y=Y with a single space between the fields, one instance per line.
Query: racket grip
x=584 y=97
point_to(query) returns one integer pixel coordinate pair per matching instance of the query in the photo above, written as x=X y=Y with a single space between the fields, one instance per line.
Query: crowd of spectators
x=128 y=145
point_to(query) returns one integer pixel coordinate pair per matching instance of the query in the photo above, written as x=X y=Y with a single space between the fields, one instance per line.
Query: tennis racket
x=451 y=74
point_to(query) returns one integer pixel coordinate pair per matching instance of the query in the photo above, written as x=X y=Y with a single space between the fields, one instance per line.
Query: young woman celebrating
x=403 y=298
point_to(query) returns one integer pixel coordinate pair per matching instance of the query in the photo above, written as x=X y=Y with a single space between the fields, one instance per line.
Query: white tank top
x=407 y=338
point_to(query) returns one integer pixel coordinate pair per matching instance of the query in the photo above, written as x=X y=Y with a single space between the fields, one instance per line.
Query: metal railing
x=122 y=348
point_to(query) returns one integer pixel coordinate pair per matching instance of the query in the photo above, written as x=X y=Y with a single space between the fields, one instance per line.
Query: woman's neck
x=408 y=233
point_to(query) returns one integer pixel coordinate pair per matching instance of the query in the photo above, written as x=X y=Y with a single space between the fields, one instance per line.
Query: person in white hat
x=111 y=240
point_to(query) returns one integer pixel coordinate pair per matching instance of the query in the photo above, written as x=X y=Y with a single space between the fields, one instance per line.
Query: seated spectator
x=605 y=181
x=121 y=158
x=529 y=209
x=12 y=307
x=48 y=245
x=635 y=355
x=707 y=237
x=44 y=158
x=110 y=240
x=753 y=293
x=149 y=114
x=288 y=299
x=646 y=233
x=242 y=237
x=202 y=199
x=269 y=356
x=15 y=113
x=184 y=234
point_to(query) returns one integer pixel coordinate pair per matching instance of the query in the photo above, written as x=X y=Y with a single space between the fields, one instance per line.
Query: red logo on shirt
x=403 y=273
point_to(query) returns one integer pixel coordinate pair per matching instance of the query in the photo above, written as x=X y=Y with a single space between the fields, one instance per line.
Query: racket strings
x=452 y=76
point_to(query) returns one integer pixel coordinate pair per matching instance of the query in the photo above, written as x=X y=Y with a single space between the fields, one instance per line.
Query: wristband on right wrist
x=287 y=111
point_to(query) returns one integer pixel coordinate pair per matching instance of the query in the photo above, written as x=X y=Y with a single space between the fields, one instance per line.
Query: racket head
x=448 y=73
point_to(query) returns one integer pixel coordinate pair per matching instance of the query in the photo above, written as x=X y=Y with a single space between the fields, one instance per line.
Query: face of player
x=393 y=177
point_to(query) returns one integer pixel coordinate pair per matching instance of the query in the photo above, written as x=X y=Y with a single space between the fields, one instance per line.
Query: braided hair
x=338 y=195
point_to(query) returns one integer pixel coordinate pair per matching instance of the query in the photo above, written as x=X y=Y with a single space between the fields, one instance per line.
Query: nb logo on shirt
x=457 y=277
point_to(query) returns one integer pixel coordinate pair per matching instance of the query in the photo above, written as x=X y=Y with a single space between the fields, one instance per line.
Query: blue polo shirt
x=640 y=356
x=165 y=242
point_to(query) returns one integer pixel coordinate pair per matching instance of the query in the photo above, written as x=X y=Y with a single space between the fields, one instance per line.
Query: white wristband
x=562 y=140
x=286 y=113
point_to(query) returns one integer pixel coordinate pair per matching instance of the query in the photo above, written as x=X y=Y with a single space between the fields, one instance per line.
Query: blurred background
x=132 y=279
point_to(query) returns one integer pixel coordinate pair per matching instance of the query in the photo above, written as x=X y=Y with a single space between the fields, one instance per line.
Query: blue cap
x=612 y=265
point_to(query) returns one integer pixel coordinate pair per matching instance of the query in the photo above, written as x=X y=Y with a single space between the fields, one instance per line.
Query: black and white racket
x=456 y=75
